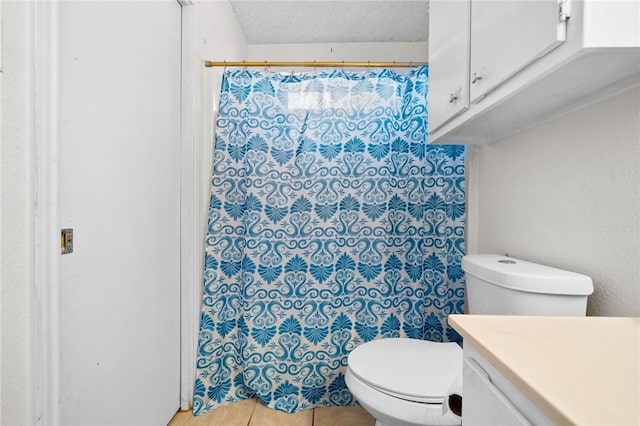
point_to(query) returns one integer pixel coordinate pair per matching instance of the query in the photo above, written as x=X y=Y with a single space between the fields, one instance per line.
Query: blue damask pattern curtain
x=331 y=223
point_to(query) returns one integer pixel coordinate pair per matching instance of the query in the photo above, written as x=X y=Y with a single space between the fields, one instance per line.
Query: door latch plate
x=66 y=241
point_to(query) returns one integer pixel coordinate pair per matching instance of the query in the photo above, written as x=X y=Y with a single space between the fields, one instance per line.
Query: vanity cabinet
x=490 y=399
x=499 y=67
x=543 y=370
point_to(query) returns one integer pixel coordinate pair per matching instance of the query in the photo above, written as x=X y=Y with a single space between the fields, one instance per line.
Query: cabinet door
x=507 y=36
x=484 y=404
x=449 y=28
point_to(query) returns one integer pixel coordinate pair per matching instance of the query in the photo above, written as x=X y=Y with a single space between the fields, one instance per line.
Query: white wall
x=18 y=302
x=222 y=38
x=567 y=194
x=410 y=51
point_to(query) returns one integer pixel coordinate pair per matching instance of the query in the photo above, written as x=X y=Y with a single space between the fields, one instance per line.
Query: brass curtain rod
x=315 y=64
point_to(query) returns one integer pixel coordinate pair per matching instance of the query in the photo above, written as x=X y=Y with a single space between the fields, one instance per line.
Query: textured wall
x=222 y=38
x=391 y=51
x=18 y=217
x=567 y=194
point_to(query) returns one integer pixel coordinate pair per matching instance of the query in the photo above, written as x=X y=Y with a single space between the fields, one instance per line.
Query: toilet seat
x=409 y=369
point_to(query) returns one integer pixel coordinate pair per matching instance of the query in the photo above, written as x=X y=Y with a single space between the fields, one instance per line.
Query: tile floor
x=252 y=412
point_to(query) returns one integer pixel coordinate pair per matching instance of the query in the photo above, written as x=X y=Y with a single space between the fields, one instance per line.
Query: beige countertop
x=577 y=370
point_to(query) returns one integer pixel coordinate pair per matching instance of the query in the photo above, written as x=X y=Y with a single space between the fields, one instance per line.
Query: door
x=506 y=36
x=119 y=189
x=449 y=32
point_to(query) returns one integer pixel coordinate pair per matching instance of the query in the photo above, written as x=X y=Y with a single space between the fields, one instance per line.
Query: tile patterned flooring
x=252 y=412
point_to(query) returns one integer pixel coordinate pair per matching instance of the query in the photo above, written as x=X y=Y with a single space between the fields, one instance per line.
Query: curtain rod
x=315 y=64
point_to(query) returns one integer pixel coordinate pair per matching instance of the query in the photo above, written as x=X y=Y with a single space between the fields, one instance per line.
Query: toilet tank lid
x=526 y=276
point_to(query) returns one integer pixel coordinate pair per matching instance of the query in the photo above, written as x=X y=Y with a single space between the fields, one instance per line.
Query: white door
x=508 y=35
x=119 y=189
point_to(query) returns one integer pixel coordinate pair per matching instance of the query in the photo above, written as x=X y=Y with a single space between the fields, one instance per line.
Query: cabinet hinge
x=564 y=10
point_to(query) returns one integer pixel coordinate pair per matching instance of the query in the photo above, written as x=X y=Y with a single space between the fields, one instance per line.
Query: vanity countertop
x=577 y=370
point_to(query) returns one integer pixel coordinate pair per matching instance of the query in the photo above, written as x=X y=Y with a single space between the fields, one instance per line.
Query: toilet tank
x=501 y=285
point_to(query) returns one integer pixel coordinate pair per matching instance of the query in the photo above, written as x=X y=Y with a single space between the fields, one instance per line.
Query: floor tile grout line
x=253 y=416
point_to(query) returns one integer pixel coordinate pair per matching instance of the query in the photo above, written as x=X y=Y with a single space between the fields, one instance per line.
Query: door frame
x=47 y=278
x=190 y=244
x=45 y=20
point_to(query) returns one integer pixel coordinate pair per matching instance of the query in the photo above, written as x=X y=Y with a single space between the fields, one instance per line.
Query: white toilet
x=403 y=382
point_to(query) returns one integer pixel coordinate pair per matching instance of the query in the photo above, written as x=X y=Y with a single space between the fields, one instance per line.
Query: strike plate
x=66 y=241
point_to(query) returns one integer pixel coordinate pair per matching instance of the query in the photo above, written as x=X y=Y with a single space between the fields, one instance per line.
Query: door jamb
x=190 y=244
x=47 y=238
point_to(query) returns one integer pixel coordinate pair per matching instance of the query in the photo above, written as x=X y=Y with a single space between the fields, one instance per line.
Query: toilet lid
x=412 y=369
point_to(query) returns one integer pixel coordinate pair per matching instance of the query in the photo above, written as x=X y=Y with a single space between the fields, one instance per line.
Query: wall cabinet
x=509 y=35
x=499 y=67
x=449 y=42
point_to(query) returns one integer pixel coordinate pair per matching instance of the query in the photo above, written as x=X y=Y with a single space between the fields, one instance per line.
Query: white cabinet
x=499 y=67
x=491 y=399
x=509 y=35
x=449 y=46
x=543 y=370
x=484 y=403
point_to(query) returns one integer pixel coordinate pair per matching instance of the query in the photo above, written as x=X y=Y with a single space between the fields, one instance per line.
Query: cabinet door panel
x=448 y=60
x=507 y=36
x=484 y=403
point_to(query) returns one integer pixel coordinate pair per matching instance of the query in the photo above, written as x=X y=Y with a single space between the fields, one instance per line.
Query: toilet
x=403 y=382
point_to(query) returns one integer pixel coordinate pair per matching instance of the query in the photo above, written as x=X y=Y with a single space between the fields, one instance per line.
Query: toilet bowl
x=403 y=382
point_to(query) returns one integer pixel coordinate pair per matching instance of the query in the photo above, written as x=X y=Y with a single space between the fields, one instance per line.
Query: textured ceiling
x=324 y=21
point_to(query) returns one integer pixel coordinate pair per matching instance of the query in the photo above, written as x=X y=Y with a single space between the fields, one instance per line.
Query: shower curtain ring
x=410 y=65
x=244 y=66
x=225 y=67
x=342 y=65
x=369 y=66
x=315 y=70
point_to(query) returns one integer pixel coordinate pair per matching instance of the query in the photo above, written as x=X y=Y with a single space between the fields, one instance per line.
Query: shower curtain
x=331 y=223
